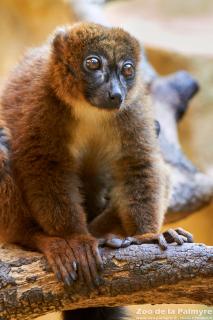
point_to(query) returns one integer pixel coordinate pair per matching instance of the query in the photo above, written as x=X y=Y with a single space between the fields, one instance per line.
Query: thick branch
x=137 y=274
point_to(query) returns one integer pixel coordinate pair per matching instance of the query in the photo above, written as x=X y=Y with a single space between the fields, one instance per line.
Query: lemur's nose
x=115 y=93
x=116 y=97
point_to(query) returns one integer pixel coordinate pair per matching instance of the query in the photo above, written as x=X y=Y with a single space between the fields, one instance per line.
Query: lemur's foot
x=178 y=236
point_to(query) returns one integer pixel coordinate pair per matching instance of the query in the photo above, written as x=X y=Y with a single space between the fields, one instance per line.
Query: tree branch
x=137 y=274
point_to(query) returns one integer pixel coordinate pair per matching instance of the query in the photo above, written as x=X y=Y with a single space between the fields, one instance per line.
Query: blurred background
x=177 y=34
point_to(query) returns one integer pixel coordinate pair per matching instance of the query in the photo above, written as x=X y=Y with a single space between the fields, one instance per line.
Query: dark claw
x=68 y=281
x=101 y=281
x=99 y=261
x=101 y=267
x=74 y=264
x=98 y=281
x=73 y=276
x=58 y=276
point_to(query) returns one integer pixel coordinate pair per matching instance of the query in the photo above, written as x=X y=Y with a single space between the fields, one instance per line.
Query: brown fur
x=63 y=149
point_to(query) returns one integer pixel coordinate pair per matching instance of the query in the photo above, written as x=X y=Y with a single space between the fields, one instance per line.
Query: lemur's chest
x=94 y=136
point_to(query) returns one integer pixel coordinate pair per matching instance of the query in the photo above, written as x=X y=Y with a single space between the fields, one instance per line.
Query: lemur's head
x=95 y=62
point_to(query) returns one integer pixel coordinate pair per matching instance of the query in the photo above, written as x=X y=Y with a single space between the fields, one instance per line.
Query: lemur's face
x=101 y=63
x=106 y=83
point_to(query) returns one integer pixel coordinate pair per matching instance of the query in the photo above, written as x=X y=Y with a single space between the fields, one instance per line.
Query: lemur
x=81 y=130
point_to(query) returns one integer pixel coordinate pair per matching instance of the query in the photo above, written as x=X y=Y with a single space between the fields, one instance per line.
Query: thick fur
x=78 y=171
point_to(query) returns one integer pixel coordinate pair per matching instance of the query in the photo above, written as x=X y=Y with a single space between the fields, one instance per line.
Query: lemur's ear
x=61 y=45
x=59 y=41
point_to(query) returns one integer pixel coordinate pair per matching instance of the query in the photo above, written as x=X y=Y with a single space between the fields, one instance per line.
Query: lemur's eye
x=93 y=63
x=128 y=70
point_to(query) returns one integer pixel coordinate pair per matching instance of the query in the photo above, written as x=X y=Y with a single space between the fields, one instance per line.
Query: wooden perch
x=137 y=274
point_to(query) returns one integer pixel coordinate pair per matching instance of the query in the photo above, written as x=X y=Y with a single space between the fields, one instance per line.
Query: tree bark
x=137 y=274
